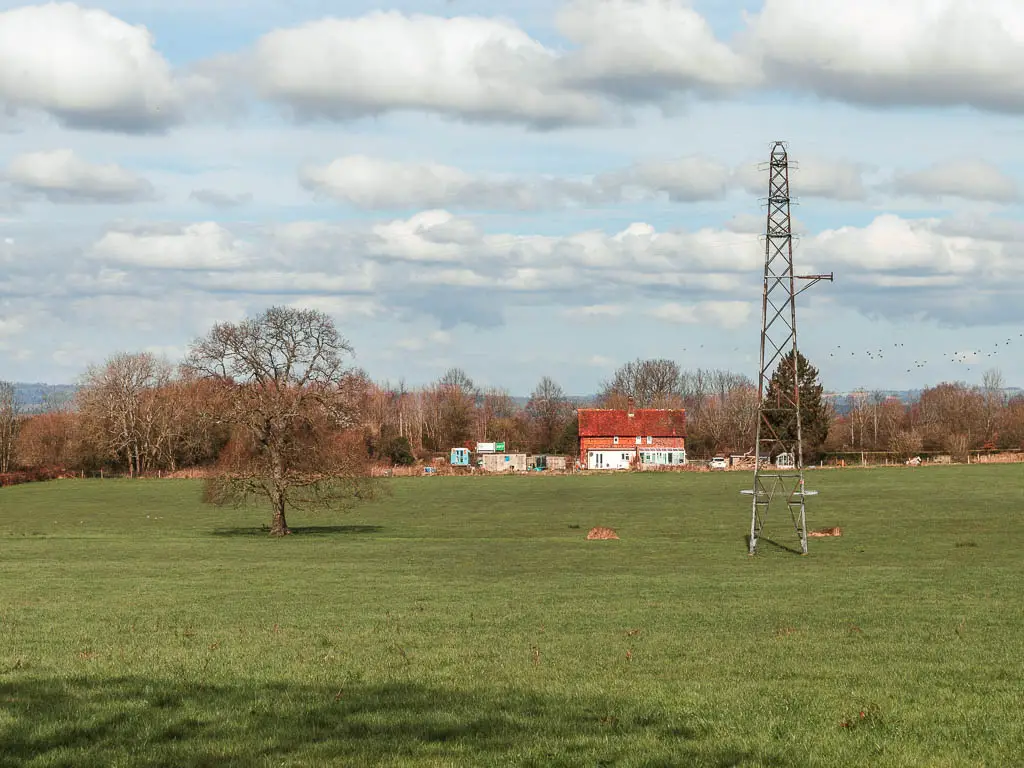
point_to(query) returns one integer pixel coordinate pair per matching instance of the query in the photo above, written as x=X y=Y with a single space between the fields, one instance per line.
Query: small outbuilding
x=504 y=462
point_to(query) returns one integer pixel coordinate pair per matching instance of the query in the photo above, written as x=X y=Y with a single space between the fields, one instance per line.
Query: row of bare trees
x=137 y=413
x=951 y=418
x=453 y=411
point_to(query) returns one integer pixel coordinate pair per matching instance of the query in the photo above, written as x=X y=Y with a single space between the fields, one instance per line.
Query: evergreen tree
x=814 y=411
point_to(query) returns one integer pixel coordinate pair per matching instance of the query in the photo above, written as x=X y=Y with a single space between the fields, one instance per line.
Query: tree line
x=951 y=418
x=137 y=413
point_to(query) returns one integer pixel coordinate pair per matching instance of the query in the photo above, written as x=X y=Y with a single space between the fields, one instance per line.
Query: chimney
x=631 y=402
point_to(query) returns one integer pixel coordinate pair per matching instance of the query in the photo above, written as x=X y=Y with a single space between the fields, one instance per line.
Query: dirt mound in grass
x=822 y=533
x=601 y=534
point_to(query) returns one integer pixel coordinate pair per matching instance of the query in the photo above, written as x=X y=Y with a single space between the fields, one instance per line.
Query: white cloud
x=430 y=236
x=11 y=325
x=87 y=68
x=63 y=177
x=726 y=314
x=340 y=306
x=971 y=179
x=368 y=182
x=639 y=50
x=373 y=183
x=197 y=246
x=685 y=179
x=940 y=52
x=595 y=310
x=185 y=313
x=72 y=356
x=432 y=340
x=489 y=69
x=269 y=281
x=891 y=243
x=474 y=67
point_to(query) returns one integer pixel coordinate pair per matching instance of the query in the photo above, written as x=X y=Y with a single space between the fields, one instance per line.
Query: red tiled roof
x=645 y=422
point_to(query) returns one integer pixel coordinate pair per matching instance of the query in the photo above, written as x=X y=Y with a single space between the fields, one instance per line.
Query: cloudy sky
x=522 y=189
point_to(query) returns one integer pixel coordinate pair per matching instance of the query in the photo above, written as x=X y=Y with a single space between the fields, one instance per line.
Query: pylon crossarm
x=812 y=280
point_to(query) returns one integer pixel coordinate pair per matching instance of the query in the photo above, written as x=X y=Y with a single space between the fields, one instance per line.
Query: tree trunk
x=279 y=526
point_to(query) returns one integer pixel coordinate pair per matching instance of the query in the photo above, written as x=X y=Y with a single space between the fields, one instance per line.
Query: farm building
x=617 y=439
x=504 y=462
x=546 y=461
x=556 y=463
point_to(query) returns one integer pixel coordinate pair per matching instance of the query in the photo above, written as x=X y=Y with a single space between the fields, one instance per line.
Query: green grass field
x=467 y=622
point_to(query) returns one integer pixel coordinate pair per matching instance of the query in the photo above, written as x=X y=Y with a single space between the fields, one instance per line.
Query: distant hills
x=34 y=397
x=839 y=399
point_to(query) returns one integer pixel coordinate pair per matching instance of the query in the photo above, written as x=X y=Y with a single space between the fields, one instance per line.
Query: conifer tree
x=814 y=411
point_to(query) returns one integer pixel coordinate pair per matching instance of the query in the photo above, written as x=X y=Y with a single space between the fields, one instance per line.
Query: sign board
x=486 y=447
x=499 y=447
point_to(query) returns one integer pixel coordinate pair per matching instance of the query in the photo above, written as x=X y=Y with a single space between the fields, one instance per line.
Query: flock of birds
x=967 y=358
x=964 y=358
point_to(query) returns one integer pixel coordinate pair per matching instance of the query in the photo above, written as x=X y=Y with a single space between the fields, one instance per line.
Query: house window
x=638 y=440
x=615 y=441
x=650 y=440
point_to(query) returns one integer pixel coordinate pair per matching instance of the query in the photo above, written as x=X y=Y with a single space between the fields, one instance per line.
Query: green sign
x=499 y=447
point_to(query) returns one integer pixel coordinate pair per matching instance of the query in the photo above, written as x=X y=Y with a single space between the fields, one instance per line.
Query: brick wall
x=628 y=443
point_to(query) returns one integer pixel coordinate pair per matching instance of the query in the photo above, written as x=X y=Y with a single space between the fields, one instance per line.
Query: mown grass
x=466 y=621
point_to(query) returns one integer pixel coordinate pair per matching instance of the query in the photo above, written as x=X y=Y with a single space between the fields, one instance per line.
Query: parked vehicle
x=719 y=462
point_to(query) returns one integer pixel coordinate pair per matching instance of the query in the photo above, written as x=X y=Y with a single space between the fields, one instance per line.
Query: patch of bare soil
x=600 y=533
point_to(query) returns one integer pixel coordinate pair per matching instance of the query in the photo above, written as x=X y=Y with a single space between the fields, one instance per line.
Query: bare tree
x=548 y=411
x=9 y=422
x=453 y=409
x=50 y=440
x=949 y=409
x=906 y=443
x=993 y=388
x=496 y=413
x=120 y=413
x=651 y=384
x=293 y=403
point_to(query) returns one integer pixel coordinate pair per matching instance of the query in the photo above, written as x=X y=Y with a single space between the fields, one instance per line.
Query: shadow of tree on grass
x=309 y=530
x=133 y=721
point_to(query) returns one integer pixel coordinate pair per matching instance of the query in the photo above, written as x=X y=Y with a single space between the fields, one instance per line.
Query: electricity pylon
x=779 y=454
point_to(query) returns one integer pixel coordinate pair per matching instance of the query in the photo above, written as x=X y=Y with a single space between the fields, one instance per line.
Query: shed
x=551 y=463
x=558 y=463
x=504 y=462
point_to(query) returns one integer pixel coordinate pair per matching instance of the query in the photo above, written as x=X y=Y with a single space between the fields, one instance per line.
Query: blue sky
x=522 y=190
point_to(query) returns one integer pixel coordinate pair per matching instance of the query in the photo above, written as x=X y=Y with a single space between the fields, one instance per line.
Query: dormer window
x=615 y=441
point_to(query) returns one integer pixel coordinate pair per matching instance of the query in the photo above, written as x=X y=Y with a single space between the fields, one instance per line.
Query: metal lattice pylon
x=779 y=482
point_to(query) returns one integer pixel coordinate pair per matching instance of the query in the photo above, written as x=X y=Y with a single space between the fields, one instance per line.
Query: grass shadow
x=302 y=530
x=138 y=721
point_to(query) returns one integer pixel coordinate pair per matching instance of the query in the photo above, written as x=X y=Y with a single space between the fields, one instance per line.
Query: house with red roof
x=616 y=439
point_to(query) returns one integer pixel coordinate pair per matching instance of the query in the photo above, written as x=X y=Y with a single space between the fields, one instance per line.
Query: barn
x=644 y=437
